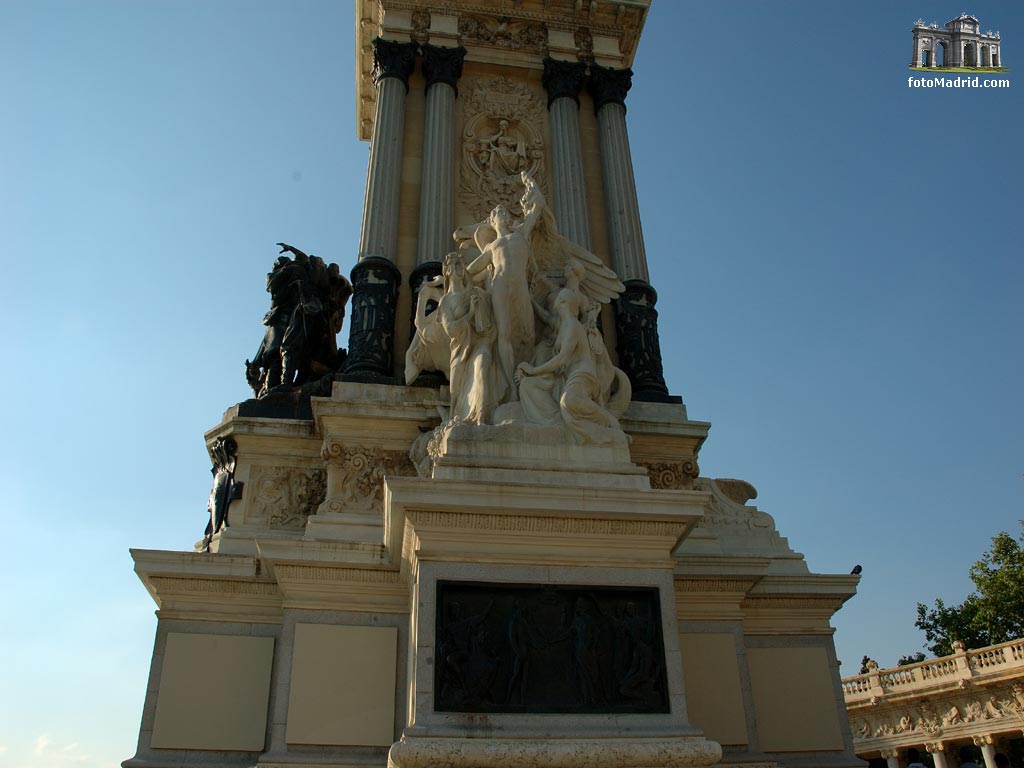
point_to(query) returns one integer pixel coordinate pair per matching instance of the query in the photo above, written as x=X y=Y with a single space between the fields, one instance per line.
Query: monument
x=479 y=536
x=960 y=43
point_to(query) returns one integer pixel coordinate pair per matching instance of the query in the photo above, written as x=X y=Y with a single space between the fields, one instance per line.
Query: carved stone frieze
x=672 y=476
x=356 y=475
x=504 y=33
x=421 y=25
x=503 y=136
x=998 y=707
x=283 y=497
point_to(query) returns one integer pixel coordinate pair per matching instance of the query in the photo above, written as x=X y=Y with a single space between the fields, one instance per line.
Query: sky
x=837 y=257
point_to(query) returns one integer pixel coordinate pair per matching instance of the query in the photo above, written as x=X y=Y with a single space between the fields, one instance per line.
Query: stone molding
x=393 y=59
x=609 y=86
x=421 y=752
x=563 y=79
x=442 y=65
x=535 y=524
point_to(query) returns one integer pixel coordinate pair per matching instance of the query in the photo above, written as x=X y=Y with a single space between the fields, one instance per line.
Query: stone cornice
x=341 y=588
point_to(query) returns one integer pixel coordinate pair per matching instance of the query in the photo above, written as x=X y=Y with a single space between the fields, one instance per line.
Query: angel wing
x=551 y=251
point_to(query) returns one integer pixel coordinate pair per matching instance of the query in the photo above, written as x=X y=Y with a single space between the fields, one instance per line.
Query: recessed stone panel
x=794 y=700
x=214 y=691
x=343 y=686
x=714 y=700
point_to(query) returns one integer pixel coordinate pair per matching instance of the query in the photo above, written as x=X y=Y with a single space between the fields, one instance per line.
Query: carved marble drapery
x=563 y=80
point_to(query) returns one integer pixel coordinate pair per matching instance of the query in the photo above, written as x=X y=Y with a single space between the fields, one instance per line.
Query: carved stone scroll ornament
x=284 y=497
x=673 y=476
x=503 y=136
x=355 y=476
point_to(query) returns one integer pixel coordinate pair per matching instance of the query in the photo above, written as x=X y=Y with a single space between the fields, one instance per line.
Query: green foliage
x=911 y=659
x=993 y=613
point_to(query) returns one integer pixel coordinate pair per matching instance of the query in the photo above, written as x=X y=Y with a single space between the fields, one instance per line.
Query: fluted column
x=563 y=80
x=442 y=68
x=375 y=279
x=636 y=319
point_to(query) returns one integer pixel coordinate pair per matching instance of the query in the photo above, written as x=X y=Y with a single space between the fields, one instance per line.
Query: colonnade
x=376 y=278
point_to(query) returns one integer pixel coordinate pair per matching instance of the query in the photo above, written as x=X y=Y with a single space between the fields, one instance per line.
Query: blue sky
x=837 y=258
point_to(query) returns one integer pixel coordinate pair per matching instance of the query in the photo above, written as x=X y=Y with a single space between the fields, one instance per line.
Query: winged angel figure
x=544 y=294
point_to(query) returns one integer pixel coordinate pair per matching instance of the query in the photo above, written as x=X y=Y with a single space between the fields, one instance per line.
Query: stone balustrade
x=925 y=675
x=969 y=697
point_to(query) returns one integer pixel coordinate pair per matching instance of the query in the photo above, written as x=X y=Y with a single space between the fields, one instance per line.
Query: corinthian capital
x=442 y=65
x=609 y=86
x=563 y=78
x=393 y=59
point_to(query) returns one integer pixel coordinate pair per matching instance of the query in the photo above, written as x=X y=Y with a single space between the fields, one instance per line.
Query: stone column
x=563 y=80
x=988 y=751
x=442 y=68
x=937 y=750
x=636 y=320
x=892 y=758
x=375 y=278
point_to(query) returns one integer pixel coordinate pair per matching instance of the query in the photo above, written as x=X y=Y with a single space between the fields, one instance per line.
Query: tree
x=993 y=613
x=911 y=659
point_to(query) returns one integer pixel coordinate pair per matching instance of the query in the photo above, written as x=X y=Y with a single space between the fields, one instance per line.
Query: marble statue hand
x=523 y=369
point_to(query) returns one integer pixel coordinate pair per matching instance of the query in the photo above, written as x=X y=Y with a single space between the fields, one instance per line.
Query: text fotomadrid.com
x=956 y=82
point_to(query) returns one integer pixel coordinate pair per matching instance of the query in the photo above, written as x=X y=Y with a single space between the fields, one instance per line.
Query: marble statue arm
x=563 y=356
x=480 y=263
